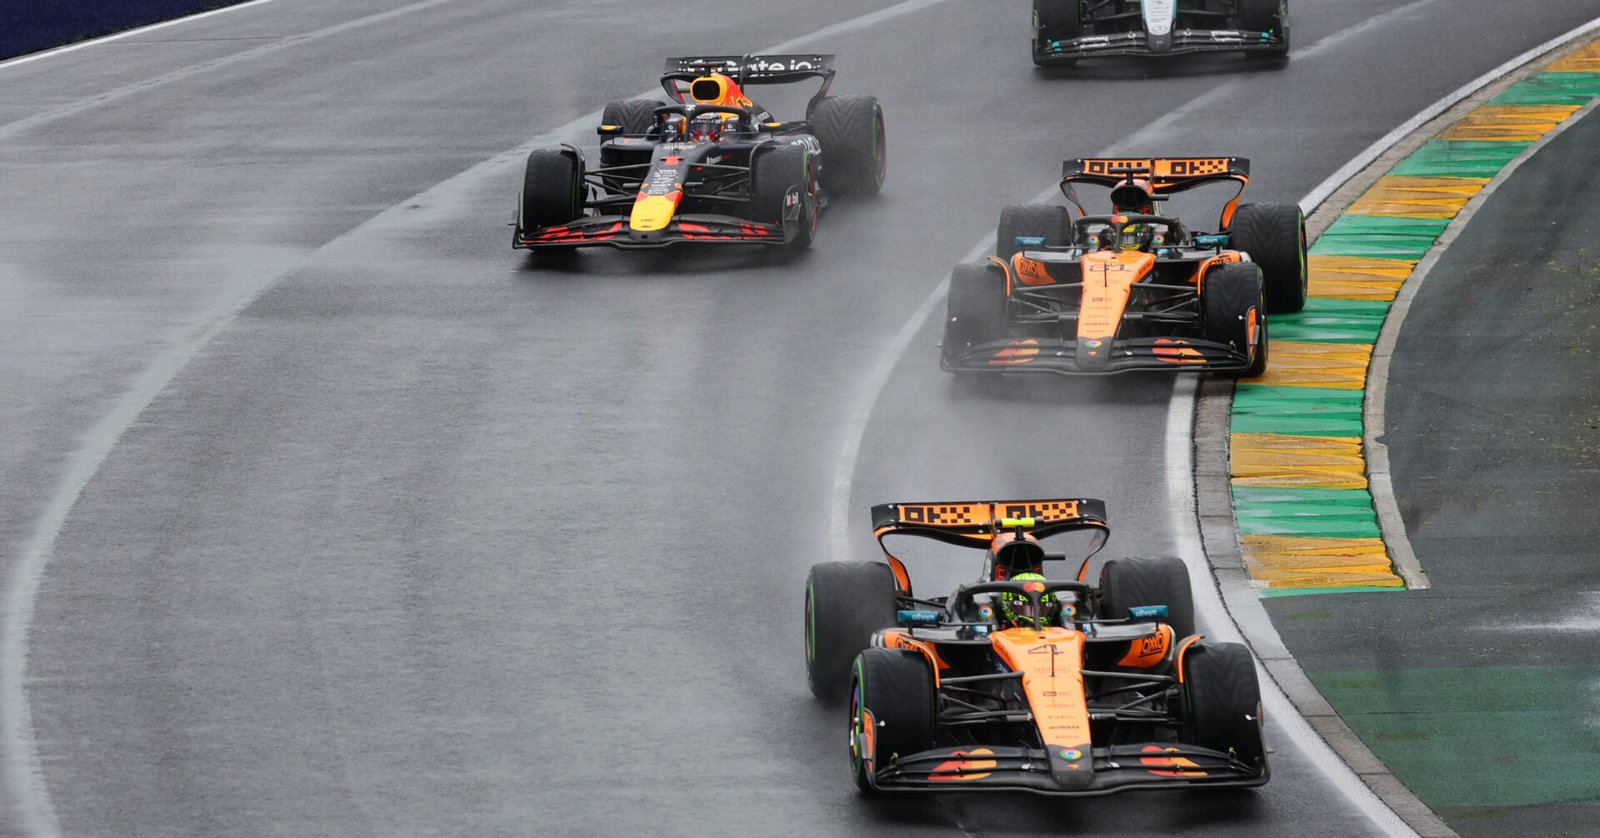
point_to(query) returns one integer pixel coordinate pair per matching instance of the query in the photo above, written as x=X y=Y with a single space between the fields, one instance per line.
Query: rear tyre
x=1127 y=583
x=1232 y=299
x=845 y=603
x=855 y=147
x=975 y=308
x=785 y=179
x=1222 y=701
x=1275 y=237
x=1038 y=221
x=892 y=708
x=552 y=189
x=635 y=117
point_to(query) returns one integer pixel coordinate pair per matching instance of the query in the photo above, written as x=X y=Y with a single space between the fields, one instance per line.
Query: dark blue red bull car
x=709 y=166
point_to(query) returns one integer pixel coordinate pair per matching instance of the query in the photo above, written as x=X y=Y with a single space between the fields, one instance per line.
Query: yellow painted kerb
x=1322 y=462
x=1417 y=197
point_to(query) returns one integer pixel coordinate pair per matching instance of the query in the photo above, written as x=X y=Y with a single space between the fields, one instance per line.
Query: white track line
x=106 y=39
x=24 y=778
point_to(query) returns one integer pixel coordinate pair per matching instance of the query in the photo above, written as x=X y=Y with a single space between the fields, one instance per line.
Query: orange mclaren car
x=1132 y=289
x=1021 y=682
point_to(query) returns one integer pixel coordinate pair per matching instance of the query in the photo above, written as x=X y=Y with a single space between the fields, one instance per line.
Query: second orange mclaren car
x=1134 y=289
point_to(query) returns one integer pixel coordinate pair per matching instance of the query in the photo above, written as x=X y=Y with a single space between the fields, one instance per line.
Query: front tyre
x=1222 y=701
x=785 y=193
x=552 y=189
x=855 y=146
x=975 y=309
x=1266 y=16
x=892 y=710
x=1235 y=313
x=1057 y=20
x=845 y=603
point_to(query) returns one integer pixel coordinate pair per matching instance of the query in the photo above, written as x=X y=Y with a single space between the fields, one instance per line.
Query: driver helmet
x=1136 y=237
x=706 y=127
x=1133 y=196
x=1017 y=610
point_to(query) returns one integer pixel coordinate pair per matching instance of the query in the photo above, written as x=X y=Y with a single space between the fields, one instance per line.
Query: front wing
x=1156 y=765
x=1180 y=42
x=1064 y=357
x=612 y=231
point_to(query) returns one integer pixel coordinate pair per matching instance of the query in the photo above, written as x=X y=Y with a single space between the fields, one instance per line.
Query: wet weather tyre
x=1231 y=290
x=1222 y=701
x=975 y=308
x=1054 y=20
x=552 y=189
x=635 y=117
x=1265 y=16
x=1127 y=583
x=1038 y=221
x=1057 y=19
x=780 y=172
x=845 y=603
x=892 y=694
x=855 y=146
x=1275 y=237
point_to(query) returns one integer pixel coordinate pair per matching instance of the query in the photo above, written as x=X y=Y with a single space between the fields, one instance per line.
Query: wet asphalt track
x=437 y=538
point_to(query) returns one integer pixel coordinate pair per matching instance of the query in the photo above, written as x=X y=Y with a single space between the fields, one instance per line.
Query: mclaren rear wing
x=1166 y=175
x=976 y=523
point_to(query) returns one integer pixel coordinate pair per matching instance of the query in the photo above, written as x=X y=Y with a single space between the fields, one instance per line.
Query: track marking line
x=117 y=36
x=24 y=777
x=120 y=93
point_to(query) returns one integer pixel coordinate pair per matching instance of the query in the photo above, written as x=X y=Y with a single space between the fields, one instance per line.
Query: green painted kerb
x=1310 y=513
x=1480 y=736
x=1459 y=158
x=1331 y=321
x=1380 y=236
x=1552 y=89
x=1296 y=411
